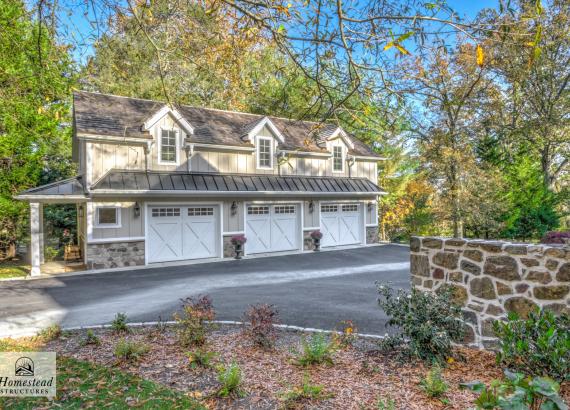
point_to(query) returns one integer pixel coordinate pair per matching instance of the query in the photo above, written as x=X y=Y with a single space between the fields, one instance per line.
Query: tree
x=528 y=114
x=36 y=76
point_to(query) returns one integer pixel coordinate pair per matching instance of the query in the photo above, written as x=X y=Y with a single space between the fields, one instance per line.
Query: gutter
x=115 y=193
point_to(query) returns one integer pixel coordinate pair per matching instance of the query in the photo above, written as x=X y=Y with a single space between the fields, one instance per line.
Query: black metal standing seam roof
x=117 y=180
x=71 y=186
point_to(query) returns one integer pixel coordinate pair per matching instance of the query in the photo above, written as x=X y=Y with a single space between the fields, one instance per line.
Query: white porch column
x=42 y=236
x=36 y=244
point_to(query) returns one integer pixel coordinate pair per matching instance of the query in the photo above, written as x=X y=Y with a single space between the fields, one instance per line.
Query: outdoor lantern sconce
x=370 y=206
x=137 y=210
x=234 y=207
x=80 y=211
x=311 y=207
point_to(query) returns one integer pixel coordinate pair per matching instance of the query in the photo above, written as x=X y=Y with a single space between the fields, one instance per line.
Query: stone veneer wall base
x=115 y=255
x=491 y=278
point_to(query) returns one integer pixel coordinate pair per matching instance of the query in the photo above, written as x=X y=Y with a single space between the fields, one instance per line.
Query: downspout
x=351 y=160
x=189 y=148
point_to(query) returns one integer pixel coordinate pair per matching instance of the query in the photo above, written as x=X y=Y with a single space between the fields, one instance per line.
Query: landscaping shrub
x=119 y=324
x=433 y=384
x=346 y=336
x=230 y=378
x=201 y=358
x=90 y=339
x=193 y=321
x=307 y=391
x=538 y=346
x=428 y=323
x=129 y=351
x=555 y=237
x=316 y=350
x=258 y=325
x=518 y=392
x=50 y=333
x=386 y=404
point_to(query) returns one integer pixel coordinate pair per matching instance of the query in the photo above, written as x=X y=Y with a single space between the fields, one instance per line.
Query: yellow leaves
x=398 y=43
x=480 y=56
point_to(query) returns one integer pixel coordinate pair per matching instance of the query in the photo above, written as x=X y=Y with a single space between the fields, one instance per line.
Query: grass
x=13 y=269
x=82 y=384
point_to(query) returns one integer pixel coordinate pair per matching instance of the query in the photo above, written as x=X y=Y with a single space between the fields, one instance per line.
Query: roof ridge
x=204 y=108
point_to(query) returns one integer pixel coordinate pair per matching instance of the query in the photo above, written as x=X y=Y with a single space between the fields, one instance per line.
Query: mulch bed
x=360 y=376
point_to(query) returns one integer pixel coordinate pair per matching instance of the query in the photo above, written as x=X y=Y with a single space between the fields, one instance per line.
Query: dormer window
x=264 y=152
x=338 y=159
x=168 y=146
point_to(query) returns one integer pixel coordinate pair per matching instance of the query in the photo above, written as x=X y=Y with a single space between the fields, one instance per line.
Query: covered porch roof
x=69 y=190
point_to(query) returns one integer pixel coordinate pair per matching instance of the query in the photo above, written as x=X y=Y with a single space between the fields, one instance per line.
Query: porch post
x=42 y=236
x=36 y=244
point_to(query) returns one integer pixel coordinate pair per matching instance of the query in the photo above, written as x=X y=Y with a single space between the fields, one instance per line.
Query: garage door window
x=257 y=210
x=159 y=212
x=200 y=211
x=285 y=209
x=329 y=208
x=349 y=208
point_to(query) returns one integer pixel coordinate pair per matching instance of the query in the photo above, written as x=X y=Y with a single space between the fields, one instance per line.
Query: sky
x=77 y=27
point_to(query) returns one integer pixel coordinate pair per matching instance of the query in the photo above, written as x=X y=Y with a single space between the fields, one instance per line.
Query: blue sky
x=78 y=29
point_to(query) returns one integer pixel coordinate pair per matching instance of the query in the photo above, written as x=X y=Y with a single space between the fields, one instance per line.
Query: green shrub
x=387 y=404
x=128 y=351
x=347 y=334
x=307 y=391
x=50 y=333
x=230 y=378
x=201 y=358
x=119 y=324
x=193 y=321
x=316 y=350
x=518 y=392
x=50 y=253
x=538 y=346
x=433 y=384
x=428 y=323
x=90 y=339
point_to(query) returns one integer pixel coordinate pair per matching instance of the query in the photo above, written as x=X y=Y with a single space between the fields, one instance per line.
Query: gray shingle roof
x=119 y=180
x=104 y=114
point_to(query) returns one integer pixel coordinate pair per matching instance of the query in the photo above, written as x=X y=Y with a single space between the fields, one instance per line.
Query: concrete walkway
x=309 y=290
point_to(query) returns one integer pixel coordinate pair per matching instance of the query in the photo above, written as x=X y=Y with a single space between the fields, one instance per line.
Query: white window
x=108 y=217
x=264 y=152
x=338 y=159
x=200 y=211
x=162 y=212
x=350 y=208
x=285 y=209
x=168 y=147
x=329 y=208
x=257 y=210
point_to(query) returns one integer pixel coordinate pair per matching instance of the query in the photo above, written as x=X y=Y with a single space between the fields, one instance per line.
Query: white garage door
x=271 y=228
x=182 y=232
x=340 y=224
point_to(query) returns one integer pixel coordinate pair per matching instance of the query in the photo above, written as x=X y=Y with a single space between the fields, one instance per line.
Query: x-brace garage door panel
x=272 y=228
x=183 y=232
x=341 y=224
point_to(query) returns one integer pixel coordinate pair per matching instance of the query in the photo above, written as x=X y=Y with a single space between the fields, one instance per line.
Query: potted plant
x=237 y=242
x=317 y=235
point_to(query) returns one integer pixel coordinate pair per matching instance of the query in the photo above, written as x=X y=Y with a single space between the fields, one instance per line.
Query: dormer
x=169 y=129
x=338 y=143
x=265 y=137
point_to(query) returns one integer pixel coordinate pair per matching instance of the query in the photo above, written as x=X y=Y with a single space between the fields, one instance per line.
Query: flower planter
x=238 y=242
x=317 y=235
x=317 y=243
x=238 y=249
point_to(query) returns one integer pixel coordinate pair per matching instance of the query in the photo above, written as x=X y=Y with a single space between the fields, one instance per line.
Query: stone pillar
x=36 y=242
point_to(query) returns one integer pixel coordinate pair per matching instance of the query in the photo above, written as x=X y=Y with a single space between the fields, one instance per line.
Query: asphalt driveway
x=309 y=290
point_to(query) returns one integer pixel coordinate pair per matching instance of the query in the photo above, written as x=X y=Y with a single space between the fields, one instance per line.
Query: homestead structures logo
x=24 y=367
x=30 y=375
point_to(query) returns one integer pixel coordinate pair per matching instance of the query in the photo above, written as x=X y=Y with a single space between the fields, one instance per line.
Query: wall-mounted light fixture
x=311 y=206
x=370 y=205
x=137 y=210
x=234 y=208
x=80 y=211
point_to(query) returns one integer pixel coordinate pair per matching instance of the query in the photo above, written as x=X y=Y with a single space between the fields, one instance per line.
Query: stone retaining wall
x=371 y=234
x=114 y=255
x=491 y=278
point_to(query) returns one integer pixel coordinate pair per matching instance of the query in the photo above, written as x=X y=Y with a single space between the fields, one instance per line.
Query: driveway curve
x=310 y=290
